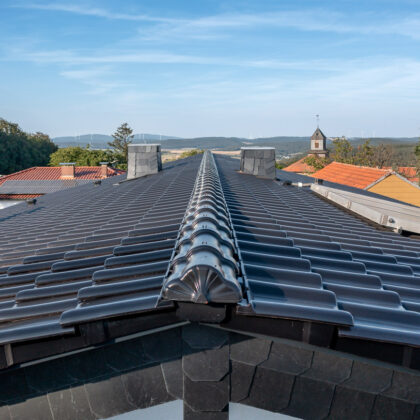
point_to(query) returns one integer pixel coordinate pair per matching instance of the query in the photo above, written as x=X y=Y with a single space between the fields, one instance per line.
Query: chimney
x=259 y=161
x=104 y=169
x=67 y=170
x=143 y=159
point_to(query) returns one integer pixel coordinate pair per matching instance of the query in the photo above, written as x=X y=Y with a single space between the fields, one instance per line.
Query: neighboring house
x=204 y=284
x=380 y=181
x=318 y=148
x=300 y=167
x=40 y=180
x=409 y=172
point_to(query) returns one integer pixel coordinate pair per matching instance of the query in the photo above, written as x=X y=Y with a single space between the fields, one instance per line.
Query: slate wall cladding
x=207 y=367
x=143 y=159
x=259 y=161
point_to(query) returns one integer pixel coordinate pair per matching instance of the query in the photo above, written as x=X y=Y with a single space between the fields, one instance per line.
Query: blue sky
x=207 y=67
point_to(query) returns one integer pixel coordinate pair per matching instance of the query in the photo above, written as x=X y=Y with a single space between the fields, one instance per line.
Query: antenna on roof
x=317 y=120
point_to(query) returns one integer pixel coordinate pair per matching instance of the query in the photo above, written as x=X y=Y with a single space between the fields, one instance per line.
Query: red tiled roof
x=46 y=173
x=18 y=196
x=409 y=172
x=351 y=175
x=300 y=167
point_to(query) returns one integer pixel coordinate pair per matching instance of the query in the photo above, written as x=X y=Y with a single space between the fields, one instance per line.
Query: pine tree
x=122 y=138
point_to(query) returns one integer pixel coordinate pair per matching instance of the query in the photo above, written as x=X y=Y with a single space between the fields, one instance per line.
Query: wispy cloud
x=310 y=20
x=99 y=81
x=93 y=11
x=109 y=57
x=383 y=82
x=210 y=27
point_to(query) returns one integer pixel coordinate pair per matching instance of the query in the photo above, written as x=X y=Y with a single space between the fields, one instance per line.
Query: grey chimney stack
x=259 y=161
x=143 y=159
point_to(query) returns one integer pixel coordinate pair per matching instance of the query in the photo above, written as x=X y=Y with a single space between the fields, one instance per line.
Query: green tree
x=317 y=162
x=10 y=128
x=20 y=150
x=122 y=138
x=81 y=156
x=342 y=150
x=364 y=154
x=417 y=153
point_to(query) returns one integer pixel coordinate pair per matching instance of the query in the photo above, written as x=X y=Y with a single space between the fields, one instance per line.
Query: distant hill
x=284 y=145
x=100 y=141
x=387 y=140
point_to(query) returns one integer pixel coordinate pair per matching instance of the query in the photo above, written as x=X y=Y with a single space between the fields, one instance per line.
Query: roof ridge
x=359 y=166
x=3 y=178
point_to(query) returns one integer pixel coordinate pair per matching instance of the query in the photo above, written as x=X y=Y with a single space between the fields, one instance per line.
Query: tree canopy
x=82 y=156
x=317 y=162
x=417 y=153
x=342 y=151
x=367 y=155
x=20 y=150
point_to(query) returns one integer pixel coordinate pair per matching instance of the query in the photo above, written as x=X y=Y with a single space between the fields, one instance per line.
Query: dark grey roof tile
x=77 y=264
x=66 y=276
x=34 y=329
x=282 y=276
x=39 y=294
x=30 y=267
x=131 y=305
x=298 y=257
x=120 y=288
x=353 y=260
x=143 y=247
x=75 y=255
x=143 y=257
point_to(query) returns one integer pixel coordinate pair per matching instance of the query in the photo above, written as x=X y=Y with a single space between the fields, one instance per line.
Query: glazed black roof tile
x=85 y=278
x=40 y=186
x=95 y=252
x=351 y=259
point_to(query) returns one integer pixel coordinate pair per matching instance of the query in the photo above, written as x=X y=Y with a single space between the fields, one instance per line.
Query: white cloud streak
x=93 y=11
x=76 y=58
x=209 y=27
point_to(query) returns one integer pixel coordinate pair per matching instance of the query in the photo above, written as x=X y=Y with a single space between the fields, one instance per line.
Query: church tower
x=319 y=144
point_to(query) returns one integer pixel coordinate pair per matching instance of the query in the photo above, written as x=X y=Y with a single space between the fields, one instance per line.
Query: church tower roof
x=318 y=135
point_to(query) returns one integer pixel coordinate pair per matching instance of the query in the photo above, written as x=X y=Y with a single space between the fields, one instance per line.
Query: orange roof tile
x=18 y=196
x=351 y=175
x=300 y=167
x=409 y=172
x=46 y=173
